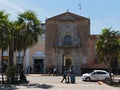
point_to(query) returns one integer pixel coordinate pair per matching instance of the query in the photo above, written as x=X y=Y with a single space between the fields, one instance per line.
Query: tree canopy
x=18 y=35
x=108 y=45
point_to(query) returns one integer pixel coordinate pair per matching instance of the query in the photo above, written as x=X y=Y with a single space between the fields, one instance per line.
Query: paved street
x=38 y=82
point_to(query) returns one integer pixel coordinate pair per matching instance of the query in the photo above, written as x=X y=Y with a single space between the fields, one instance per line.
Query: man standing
x=64 y=76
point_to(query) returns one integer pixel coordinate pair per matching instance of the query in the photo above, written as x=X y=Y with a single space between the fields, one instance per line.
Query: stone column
x=74 y=59
x=60 y=59
x=78 y=63
x=44 y=65
x=33 y=63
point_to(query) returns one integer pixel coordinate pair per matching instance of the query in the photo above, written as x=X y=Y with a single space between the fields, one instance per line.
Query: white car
x=96 y=75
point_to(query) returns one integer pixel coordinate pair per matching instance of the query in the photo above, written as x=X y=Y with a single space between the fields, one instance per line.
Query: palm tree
x=3 y=36
x=12 y=38
x=11 y=44
x=108 y=47
x=18 y=40
x=30 y=30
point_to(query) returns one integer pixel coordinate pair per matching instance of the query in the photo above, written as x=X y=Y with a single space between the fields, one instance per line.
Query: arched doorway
x=39 y=66
x=67 y=62
x=38 y=62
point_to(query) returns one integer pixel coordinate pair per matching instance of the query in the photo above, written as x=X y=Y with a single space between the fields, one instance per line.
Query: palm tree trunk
x=19 y=61
x=2 y=67
x=111 y=82
x=109 y=70
x=11 y=58
x=23 y=58
x=11 y=54
x=117 y=67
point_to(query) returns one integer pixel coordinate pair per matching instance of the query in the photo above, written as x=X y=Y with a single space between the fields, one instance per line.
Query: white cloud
x=10 y=5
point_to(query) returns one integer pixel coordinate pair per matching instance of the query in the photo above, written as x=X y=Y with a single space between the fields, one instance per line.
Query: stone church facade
x=67 y=42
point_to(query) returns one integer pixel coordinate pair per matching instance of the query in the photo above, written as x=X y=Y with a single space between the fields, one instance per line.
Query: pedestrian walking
x=23 y=77
x=30 y=69
x=68 y=75
x=64 y=76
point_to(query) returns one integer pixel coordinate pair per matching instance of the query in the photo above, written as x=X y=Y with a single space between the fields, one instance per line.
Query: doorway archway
x=67 y=62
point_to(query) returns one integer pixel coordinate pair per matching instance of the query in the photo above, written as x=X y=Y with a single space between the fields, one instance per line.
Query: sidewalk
x=40 y=82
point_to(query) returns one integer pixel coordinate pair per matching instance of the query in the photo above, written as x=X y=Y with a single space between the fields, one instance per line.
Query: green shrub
x=12 y=74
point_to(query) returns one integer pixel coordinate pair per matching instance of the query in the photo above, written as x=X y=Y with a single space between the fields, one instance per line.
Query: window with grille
x=67 y=41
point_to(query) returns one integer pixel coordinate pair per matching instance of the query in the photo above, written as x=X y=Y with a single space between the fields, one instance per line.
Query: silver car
x=96 y=75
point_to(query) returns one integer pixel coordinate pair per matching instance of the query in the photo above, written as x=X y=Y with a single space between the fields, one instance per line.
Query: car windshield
x=91 y=73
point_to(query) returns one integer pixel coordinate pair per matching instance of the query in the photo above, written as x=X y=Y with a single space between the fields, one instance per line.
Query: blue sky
x=102 y=13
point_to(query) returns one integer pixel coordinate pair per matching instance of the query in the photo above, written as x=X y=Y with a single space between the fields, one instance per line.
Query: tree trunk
x=109 y=70
x=111 y=82
x=11 y=63
x=2 y=67
x=23 y=59
x=11 y=54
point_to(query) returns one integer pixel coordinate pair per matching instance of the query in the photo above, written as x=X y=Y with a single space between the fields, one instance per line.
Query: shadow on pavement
x=7 y=87
x=14 y=87
x=37 y=85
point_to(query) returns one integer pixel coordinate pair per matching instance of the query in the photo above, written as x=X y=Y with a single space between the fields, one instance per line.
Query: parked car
x=96 y=75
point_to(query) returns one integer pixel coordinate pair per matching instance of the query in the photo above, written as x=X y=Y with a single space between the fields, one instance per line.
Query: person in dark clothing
x=23 y=77
x=64 y=76
x=30 y=69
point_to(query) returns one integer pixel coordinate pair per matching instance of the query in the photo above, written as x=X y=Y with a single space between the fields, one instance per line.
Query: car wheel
x=107 y=80
x=87 y=79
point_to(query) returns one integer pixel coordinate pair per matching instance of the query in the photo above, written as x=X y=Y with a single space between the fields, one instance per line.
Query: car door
x=95 y=76
x=102 y=75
